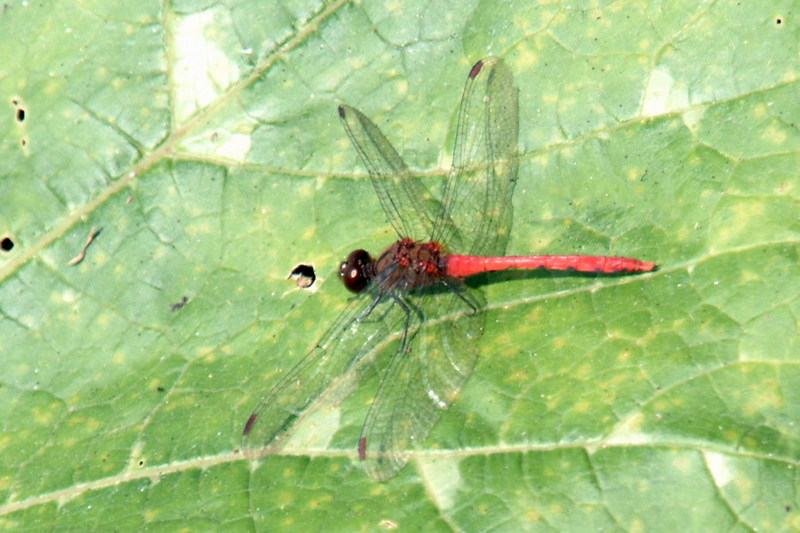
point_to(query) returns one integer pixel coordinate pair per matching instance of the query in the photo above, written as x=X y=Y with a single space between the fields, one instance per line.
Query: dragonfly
x=414 y=317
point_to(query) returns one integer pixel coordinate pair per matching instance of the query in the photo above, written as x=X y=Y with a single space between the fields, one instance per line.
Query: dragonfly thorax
x=407 y=265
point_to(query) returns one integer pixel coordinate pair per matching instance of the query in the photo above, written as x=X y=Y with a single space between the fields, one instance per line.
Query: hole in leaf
x=304 y=276
x=20 y=113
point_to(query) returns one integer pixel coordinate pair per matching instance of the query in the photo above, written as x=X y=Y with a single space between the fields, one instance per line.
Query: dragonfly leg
x=375 y=301
x=410 y=310
x=461 y=291
x=367 y=318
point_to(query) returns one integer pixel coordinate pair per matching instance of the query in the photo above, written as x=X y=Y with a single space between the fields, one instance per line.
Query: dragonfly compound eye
x=356 y=271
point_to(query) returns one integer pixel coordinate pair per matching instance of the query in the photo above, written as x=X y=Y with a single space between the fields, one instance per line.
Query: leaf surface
x=202 y=140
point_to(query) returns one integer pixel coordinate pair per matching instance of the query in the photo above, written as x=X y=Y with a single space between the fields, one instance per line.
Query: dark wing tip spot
x=476 y=68
x=362 y=448
x=248 y=427
x=341 y=111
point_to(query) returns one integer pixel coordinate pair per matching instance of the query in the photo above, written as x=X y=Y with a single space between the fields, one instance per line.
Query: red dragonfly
x=414 y=314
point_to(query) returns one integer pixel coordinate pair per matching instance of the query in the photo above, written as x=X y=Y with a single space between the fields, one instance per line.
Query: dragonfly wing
x=477 y=214
x=409 y=206
x=421 y=381
x=340 y=348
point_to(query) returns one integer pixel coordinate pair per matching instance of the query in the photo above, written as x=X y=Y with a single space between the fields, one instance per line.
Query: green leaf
x=202 y=139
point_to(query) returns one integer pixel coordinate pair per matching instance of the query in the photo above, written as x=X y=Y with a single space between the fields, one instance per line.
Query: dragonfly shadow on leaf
x=491 y=278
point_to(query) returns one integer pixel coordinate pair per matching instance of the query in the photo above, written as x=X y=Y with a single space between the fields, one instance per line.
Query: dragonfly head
x=357 y=271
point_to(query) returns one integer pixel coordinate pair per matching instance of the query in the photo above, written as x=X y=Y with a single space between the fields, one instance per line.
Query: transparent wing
x=427 y=375
x=340 y=348
x=423 y=380
x=409 y=206
x=477 y=213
